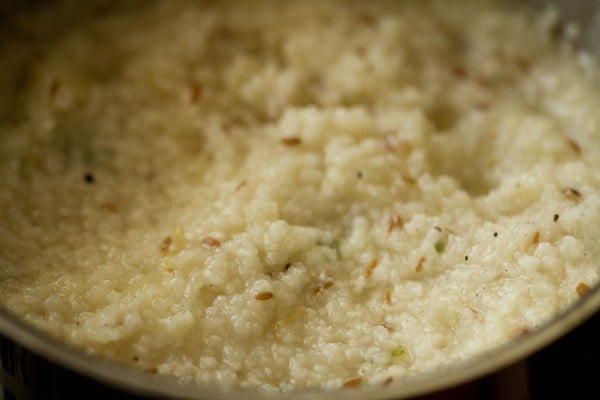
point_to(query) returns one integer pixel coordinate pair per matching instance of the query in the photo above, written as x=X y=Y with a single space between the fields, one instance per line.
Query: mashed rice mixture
x=281 y=195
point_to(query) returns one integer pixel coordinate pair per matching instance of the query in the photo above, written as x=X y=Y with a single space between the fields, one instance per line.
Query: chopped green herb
x=398 y=351
x=439 y=246
x=336 y=245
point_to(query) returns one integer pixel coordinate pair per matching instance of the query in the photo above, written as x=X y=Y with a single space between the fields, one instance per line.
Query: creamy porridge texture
x=281 y=195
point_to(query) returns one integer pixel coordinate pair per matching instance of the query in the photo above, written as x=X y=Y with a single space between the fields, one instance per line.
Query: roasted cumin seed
x=372 y=265
x=262 y=296
x=211 y=242
x=395 y=222
x=582 y=289
x=166 y=244
x=291 y=141
x=420 y=263
x=353 y=382
x=572 y=193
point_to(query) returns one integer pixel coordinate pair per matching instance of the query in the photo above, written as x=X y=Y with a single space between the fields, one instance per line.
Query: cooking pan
x=36 y=366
